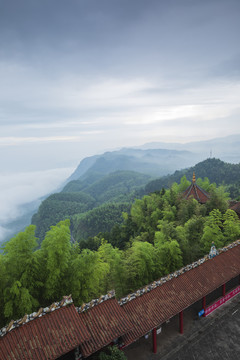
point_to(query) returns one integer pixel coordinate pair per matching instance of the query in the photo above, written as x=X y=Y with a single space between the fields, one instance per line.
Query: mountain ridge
x=154 y=162
x=160 y=159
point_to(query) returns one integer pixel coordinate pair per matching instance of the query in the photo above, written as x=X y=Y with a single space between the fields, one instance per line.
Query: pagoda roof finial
x=194 y=178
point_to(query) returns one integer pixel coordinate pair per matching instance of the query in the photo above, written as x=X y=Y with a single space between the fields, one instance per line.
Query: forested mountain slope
x=155 y=159
x=92 y=198
x=215 y=170
x=80 y=196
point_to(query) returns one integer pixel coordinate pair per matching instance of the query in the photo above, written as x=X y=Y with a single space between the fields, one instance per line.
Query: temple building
x=196 y=192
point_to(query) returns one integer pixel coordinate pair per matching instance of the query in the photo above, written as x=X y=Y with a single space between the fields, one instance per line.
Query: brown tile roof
x=156 y=306
x=197 y=193
x=106 y=322
x=46 y=337
x=103 y=320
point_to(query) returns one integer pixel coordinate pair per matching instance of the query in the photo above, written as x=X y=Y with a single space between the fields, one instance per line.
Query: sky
x=80 y=77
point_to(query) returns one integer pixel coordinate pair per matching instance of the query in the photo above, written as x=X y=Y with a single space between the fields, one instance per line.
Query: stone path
x=215 y=337
x=220 y=339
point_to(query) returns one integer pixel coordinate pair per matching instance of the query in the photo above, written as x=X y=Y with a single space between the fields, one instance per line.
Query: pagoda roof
x=196 y=192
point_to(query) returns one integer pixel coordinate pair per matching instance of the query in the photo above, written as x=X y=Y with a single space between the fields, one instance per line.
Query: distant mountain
x=154 y=159
x=226 y=148
x=86 y=163
x=159 y=159
x=155 y=162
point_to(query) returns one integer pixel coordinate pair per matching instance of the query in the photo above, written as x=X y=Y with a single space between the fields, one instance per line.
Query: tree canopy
x=161 y=233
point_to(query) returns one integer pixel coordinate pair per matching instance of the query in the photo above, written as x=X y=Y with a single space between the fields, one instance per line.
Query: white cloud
x=12 y=141
x=122 y=75
x=203 y=103
x=3 y=233
x=22 y=188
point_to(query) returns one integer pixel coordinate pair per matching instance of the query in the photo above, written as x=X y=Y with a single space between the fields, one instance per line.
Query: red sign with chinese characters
x=221 y=301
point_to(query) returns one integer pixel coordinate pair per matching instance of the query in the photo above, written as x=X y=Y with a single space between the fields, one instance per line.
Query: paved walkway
x=212 y=338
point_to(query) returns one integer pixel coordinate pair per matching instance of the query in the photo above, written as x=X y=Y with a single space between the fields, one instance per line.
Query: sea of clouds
x=17 y=189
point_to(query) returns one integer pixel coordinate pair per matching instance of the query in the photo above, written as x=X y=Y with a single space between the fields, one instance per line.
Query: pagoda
x=196 y=192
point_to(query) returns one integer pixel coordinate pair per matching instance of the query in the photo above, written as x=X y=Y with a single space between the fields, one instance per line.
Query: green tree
x=146 y=212
x=115 y=276
x=219 y=199
x=87 y=273
x=167 y=232
x=55 y=253
x=187 y=209
x=184 y=183
x=169 y=212
x=168 y=254
x=212 y=231
x=231 y=226
x=18 y=260
x=182 y=239
x=139 y=265
x=169 y=257
x=112 y=353
x=194 y=231
x=204 y=184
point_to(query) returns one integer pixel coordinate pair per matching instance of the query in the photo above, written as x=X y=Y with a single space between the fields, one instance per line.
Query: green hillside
x=88 y=193
x=100 y=219
x=58 y=207
x=215 y=170
x=95 y=196
x=160 y=233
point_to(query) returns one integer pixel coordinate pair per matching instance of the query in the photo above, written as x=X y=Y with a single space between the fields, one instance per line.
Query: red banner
x=221 y=301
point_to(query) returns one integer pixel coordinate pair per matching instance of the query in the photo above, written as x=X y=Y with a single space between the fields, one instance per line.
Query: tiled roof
x=157 y=306
x=98 y=323
x=46 y=337
x=197 y=192
x=106 y=322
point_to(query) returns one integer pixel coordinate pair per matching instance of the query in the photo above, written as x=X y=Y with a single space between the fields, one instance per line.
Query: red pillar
x=223 y=289
x=154 y=339
x=204 y=304
x=181 y=322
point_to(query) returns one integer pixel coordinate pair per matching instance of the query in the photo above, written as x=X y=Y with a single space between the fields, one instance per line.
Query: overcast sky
x=79 y=77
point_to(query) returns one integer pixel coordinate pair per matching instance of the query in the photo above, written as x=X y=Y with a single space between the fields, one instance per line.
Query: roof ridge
x=66 y=300
x=175 y=274
x=94 y=302
x=189 y=189
x=204 y=191
x=196 y=188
